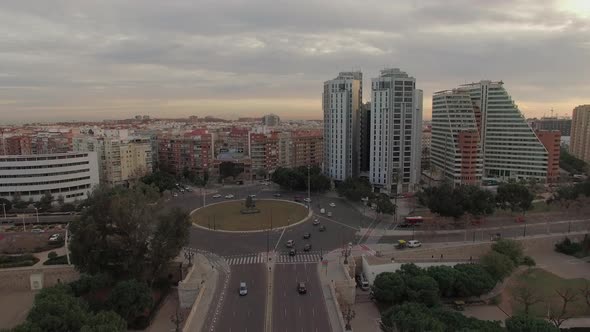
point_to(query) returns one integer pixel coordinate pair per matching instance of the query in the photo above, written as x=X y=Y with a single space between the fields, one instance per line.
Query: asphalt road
x=294 y=312
x=245 y=313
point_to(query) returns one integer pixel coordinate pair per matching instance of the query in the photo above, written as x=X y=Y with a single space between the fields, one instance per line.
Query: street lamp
x=37 y=212
x=308 y=187
x=4 y=209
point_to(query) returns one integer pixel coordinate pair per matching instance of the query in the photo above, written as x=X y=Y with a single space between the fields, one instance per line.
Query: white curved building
x=72 y=175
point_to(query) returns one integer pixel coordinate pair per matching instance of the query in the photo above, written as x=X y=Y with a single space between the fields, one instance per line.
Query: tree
x=473 y=280
x=296 y=178
x=56 y=309
x=514 y=196
x=410 y=317
x=161 y=180
x=45 y=201
x=498 y=265
x=512 y=249
x=105 y=321
x=557 y=317
x=477 y=201
x=445 y=276
x=389 y=288
x=261 y=173
x=121 y=234
x=384 y=205
x=171 y=235
x=60 y=200
x=443 y=200
x=17 y=201
x=7 y=205
x=570 y=163
x=526 y=296
x=423 y=289
x=354 y=189
x=527 y=323
x=229 y=169
x=130 y=299
x=585 y=291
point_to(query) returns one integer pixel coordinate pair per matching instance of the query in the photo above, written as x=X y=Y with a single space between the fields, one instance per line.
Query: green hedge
x=59 y=260
x=7 y=261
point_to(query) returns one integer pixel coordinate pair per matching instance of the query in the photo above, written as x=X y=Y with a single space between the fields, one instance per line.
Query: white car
x=308 y=200
x=37 y=230
x=243 y=289
x=414 y=244
x=332 y=205
x=175 y=195
x=55 y=237
x=230 y=196
x=253 y=196
x=217 y=196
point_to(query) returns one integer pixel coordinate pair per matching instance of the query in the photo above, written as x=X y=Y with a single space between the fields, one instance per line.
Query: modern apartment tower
x=580 y=139
x=479 y=134
x=365 y=138
x=342 y=101
x=396 y=131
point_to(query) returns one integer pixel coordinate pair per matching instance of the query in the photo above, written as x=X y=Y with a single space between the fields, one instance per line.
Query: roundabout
x=232 y=216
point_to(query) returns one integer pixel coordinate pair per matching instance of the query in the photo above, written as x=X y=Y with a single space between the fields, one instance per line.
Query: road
x=245 y=313
x=294 y=312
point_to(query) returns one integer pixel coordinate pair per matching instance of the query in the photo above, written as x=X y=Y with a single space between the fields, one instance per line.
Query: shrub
x=7 y=261
x=499 y=266
x=510 y=248
x=568 y=247
x=52 y=255
x=58 y=260
x=528 y=261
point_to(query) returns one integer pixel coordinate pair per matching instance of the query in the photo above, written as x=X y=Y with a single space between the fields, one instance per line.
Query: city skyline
x=97 y=60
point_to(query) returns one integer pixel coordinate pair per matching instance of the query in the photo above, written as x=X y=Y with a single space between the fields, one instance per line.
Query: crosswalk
x=301 y=257
x=246 y=259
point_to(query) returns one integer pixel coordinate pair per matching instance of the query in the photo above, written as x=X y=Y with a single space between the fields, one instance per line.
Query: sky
x=106 y=59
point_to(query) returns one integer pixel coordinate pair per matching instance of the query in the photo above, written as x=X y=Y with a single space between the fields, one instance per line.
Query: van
x=414 y=244
x=322 y=211
x=362 y=281
x=329 y=214
x=243 y=289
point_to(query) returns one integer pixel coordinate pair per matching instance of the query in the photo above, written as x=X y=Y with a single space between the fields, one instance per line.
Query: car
x=190 y=190
x=322 y=228
x=329 y=213
x=217 y=196
x=290 y=243
x=277 y=195
x=266 y=183
x=187 y=188
x=253 y=196
x=308 y=200
x=322 y=211
x=55 y=237
x=307 y=247
x=316 y=222
x=230 y=196
x=182 y=191
x=362 y=282
x=332 y=205
x=243 y=288
x=292 y=252
x=37 y=230
x=301 y=289
x=306 y=235
x=414 y=244
x=175 y=195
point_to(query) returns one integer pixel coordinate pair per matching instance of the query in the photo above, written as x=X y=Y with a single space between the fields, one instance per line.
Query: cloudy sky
x=97 y=59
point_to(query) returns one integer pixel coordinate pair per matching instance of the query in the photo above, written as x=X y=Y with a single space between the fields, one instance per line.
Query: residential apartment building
x=580 y=137
x=307 y=148
x=16 y=145
x=192 y=151
x=426 y=146
x=342 y=101
x=120 y=160
x=284 y=145
x=478 y=133
x=264 y=152
x=551 y=140
x=71 y=175
x=564 y=125
x=365 y=138
x=396 y=130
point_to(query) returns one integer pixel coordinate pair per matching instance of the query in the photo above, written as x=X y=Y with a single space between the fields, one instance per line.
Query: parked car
x=243 y=289
x=55 y=238
x=332 y=205
x=292 y=252
x=316 y=222
x=230 y=196
x=301 y=289
x=306 y=235
x=290 y=243
x=414 y=244
x=307 y=247
x=217 y=196
x=37 y=230
x=362 y=282
x=322 y=228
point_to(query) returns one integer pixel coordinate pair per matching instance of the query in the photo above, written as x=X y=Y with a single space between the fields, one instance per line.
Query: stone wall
x=19 y=279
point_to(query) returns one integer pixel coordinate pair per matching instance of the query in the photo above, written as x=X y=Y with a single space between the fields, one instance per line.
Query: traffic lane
x=245 y=313
x=225 y=244
x=294 y=312
x=335 y=236
x=343 y=211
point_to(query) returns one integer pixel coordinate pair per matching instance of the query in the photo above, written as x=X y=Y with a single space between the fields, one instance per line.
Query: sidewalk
x=329 y=274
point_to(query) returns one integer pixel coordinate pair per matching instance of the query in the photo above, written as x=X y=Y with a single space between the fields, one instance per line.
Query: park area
x=228 y=215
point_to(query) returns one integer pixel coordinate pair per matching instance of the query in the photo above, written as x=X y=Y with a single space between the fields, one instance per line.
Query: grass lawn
x=544 y=284
x=227 y=216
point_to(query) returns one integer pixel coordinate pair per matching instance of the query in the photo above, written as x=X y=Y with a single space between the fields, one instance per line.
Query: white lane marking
x=280 y=237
